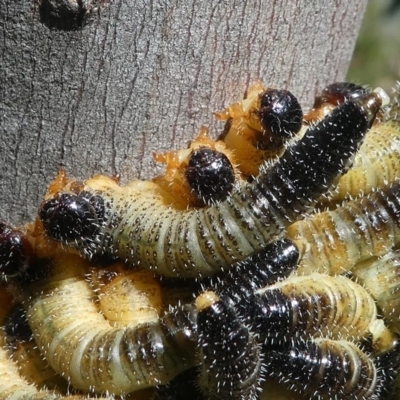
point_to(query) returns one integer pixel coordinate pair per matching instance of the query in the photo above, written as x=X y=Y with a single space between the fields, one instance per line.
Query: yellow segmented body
x=381 y=277
x=79 y=343
x=22 y=375
x=333 y=242
x=377 y=163
x=323 y=305
x=125 y=297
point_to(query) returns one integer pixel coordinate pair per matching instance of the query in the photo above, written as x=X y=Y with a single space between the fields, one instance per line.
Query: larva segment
x=125 y=297
x=80 y=344
x=315 y=305
x=377 y=164
x=142 y=229
x=276 y=261
x=26 y=356
x=381 y=277
x=325 y=369
x=13 y=384
x=231 y=360
x=334 y=241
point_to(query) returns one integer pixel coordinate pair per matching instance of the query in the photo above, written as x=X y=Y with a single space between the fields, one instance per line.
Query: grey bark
x=99 y=92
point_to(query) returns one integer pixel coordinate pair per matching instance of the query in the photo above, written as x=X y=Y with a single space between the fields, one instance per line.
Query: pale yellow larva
x=126 y=297
x=82 y=346
x=22 y=375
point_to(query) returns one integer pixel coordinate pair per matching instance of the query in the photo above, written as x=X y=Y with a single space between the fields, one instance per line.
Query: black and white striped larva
x=260 y=126
x=328 y=369
x=334 y=241
x=81 y=345
x=143 y=229
x=231 y=365
x=311 y=306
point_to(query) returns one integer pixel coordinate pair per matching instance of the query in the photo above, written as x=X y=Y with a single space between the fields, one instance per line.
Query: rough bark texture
x=99 y=92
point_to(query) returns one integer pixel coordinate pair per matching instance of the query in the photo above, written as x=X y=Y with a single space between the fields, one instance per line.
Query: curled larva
x=13 y=384
x=327 y=369
x=82 y=346
x=141 y=228
x=334 y=241
x=231 y=365
x=125 y=297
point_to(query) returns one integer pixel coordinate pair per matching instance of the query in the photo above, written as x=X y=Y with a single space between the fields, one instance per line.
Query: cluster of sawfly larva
x=261 y=265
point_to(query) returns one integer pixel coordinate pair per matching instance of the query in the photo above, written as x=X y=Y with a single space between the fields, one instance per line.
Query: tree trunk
x=97 y=87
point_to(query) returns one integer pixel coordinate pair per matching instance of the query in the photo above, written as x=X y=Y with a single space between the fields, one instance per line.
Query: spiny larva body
x=81 y=345
x=315 y=305
x=376 y=165
x=381 y=277
x=334 y=241
x=231 y=365
x=326 y=369
x=143 y=230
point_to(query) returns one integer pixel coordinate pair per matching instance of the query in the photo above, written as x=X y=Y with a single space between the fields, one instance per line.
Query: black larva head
x=69 y=218
x=339 y=92
x=210 y=175
x=15 y=252
x=280 y=113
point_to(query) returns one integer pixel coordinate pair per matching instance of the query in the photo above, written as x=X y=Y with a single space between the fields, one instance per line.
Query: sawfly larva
x=231 y=359
x=334 y=241
x=326 y=369
x=136 y=224
x=82 y=346
x=23 y=372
